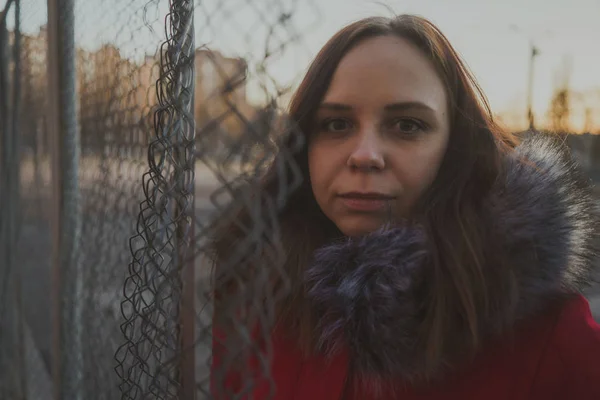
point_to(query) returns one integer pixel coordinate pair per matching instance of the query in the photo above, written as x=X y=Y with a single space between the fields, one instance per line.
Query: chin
x=358 y=226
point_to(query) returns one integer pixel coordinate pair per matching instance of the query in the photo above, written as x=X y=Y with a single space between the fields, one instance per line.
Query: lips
x=367 y=201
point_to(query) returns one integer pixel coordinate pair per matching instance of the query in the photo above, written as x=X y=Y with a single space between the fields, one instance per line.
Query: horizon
x=483 y=34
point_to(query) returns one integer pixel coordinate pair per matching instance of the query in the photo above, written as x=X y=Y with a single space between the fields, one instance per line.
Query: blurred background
x=96 y=184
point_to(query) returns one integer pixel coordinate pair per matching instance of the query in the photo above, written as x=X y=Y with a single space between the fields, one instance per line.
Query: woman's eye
x=407 y=126
x=335 y=125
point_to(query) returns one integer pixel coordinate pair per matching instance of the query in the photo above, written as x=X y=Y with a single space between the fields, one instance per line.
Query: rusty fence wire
x=112 y=175
x=168 y=294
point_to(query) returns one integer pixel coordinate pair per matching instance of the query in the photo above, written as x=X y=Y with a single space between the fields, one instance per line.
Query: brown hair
x=452 y=210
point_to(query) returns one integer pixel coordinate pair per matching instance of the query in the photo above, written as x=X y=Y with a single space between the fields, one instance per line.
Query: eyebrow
x=400 y=106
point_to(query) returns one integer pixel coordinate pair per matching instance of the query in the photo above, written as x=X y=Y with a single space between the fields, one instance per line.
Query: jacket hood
x=370 y=293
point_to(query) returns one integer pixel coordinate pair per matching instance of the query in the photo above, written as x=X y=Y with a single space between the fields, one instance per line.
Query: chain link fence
x=120 y=148
x=167 y=354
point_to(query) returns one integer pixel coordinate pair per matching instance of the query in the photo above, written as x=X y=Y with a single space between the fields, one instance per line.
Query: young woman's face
x=380 y=135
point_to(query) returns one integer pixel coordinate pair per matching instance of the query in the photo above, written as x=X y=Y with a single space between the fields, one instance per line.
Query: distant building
x=118 y=97
x=221 y=108
x=221 y=91
x=220 y=88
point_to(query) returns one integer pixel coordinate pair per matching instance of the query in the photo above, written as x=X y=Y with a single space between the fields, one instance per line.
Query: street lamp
x=533 y=53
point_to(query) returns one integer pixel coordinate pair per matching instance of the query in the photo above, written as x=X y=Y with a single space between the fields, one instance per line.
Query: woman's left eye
x=407 y=125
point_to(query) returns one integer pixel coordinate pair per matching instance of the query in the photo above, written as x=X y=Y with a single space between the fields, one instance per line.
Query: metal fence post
x=184 y=153
x=186 y=240
x=65 y=217
x=11 y=362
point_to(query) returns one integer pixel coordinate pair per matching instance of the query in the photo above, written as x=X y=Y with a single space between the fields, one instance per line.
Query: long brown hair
x=451 y=210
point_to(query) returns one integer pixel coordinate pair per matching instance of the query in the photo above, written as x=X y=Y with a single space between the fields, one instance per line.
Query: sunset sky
x=496 y=53
x=492 y=36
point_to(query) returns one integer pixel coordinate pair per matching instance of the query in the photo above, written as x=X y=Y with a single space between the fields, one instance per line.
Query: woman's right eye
x=335 y=125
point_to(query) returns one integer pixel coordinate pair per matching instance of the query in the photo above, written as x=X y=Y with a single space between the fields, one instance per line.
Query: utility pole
x=534 y=51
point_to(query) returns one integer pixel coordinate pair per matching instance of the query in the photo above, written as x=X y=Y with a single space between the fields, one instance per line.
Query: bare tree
x=559 y=112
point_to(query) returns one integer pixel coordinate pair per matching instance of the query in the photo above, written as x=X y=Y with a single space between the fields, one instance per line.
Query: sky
x=493 y=37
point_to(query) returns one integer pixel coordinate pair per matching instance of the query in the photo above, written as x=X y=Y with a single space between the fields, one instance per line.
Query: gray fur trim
x=368 y=291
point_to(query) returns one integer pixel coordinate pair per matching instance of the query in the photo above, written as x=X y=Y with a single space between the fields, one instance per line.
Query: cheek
x=315 y=169
x=319 y=160
x=322 y=170
x=419 y=168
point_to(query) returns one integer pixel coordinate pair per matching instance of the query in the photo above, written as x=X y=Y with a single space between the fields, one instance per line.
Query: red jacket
x=371 y=297
x=555 y=357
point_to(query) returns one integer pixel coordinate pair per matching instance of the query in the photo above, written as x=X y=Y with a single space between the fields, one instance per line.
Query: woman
x=430 y=255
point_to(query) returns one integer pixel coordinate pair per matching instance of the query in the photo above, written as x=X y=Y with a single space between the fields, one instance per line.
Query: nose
x=368 y=153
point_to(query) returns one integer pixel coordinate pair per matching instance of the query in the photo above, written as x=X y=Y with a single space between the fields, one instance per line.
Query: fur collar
x=365 y=292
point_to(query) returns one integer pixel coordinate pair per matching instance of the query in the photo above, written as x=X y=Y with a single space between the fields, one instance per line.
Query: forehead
x=386 y=69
